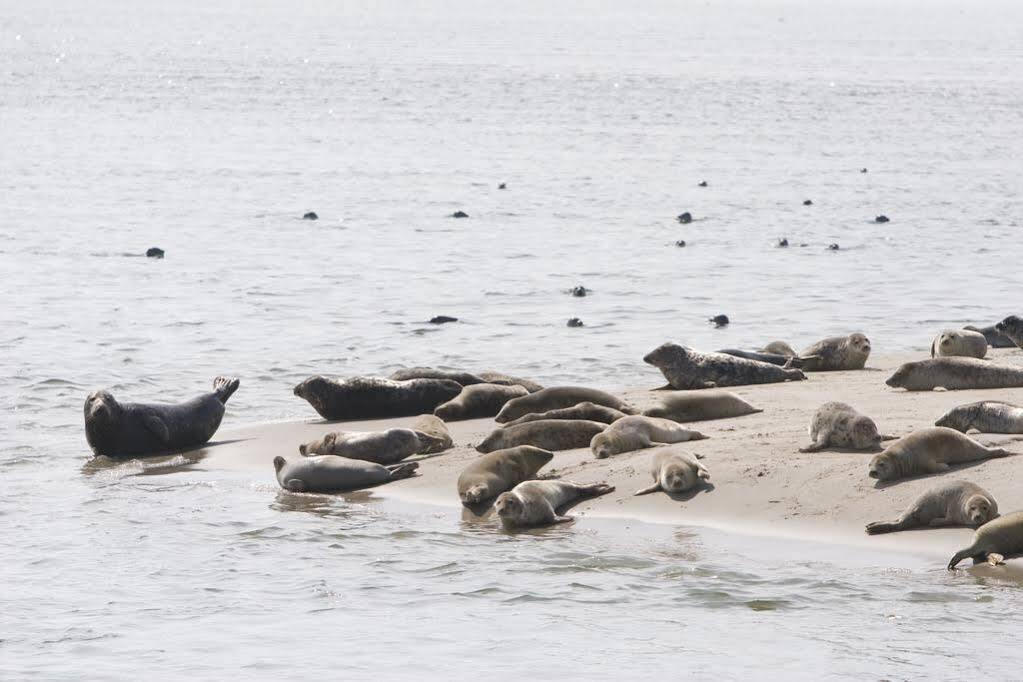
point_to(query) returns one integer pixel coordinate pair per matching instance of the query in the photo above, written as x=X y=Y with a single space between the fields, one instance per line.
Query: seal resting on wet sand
x=133 y=429
x=839 y=425
x=382 y=447
x=837 y=353
x=959 y=342
x=685 y=368
x=538 y=503
x=929 y=451
x=556 y=397
x=496 y=472
x=995 y=339
x=332 y=474
x=372 y=397
x=549 y=434
x=674 y=472
x=953 y=374
x=986 y=416
x=695 y=406
x=478 y=400
x=994 y=541
x=956 y=503
x=637 y=432
x=587 y=410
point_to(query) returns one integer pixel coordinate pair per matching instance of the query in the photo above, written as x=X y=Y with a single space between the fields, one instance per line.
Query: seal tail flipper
x=889 y=437
x=1002 y=452
x=816 y=446
x=649 y=489
x=404 y=470
x=596 y=489
x=225 y=387
x=879 y=527
x=563 y=519
x=960 y=556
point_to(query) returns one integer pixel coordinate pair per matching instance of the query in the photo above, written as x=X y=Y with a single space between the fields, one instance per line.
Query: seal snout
x=874 y=474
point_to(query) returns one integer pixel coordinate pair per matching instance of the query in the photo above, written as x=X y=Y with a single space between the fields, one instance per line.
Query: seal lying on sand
x=674 y=472
x=695 y=406
x=549 y=434
x=500 y=471
x=954 y=374
x=439 y=437
x=929 y=451
x=685 y=368
x=587 y=410
x=779 y=348
x=959 y=342
x=557 y=397
x=992 y=542
x=478 y=400
x=382 y=447
x=956 y=503
x=636 y=432
x=330 y=473
x=841 y=426
x=771 y=358
x=492 y=377
x=458 y=376
x=537 y=503
x=986 y=416
x=131 y=429
x=1012 y=329
x=837 y=353
x=995 y=338
x=371 y=397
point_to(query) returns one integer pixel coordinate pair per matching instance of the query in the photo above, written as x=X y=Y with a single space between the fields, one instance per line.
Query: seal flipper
x=995 y=559
x=404 y=470
x=157 y=427
x=889 y=437
x=225 y=387
x=878 y=527
x=815 y=446
x=563 y=519
x=960 y=555
x=649 y=489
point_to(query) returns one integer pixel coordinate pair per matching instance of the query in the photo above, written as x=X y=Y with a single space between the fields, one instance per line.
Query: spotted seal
x=837 y=353
x=549 y=434
x=636 y=432
x=994 y=541
x=955 y=373
x=496 y=472
x=929 y=451
x=986 y=416
x=995 y=339
x=674 y=472
x=478 y=400
x=959 y=342
x=685 y=368
x=556 y=397
x=383 y=447
x=539 y=503
x=331 y=474
x=956 y=503
x=839 y=425
x=695 y=406
x=372 y=397
x=759 y=356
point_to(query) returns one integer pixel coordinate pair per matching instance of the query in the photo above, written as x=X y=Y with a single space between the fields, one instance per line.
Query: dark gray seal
x=372 y=397
x=771 y=358
x=548 y=434
x=995 y=338
x=685 y=368
x=929 y=451
x=955 y=373
x=986 y=416
x=333 y=474
x=956 y=503
x=133 y=429
x=1012 y=329
x=154 y=252
x=994 y=541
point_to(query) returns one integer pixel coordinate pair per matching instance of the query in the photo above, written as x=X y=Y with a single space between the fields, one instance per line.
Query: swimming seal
x=311 y=215
x=442 y=319
x=695 y=406
x=956 y=503
x=154 y=252
x=929 y=451
x=557 y=397
x=575 y=322
x=539 y=503
x=459 y=214
x=492 y=377
x=133 y=429
x=719 y=321
x=549 y=434
x=995 y=339
x=994 y=541
x=959 y=342
x=372 y=397
x=1012 y=329
x=333 y=474
x=685 y=368
x=837 y=353
x=839 y=425
x=585 y=410
x=674 y=472
x=986 y=416
x=500 y=471
x=955 y=373
x=636 y=432
x=685 y=218
x=881 y=219
x=478 y=400
x=383 y=447
x=579 y=291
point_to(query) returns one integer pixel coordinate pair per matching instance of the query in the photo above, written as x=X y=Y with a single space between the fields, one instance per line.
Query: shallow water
x=208 y=129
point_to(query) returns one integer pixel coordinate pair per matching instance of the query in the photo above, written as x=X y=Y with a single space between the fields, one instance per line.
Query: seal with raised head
x=929 y=451
x=382 y=447
x=839 y=425
x=372 y=397
x=986 y=416
x=1011 y=328
x=685 y=368
x=556 y=397
x=549 y=434
x=956 y=503
x=696 y=406
x=959 y=342
x=540 y=503
x=134 y=429
x=590 y=411
x=333 y=474
x=636 y=432
x=779 y=348
x=478 y=400
x=434 y=427
x=953 y=374
x=994 y=541
x=770 y=358
x=674 y=472
x=458 y=376
x=837 y=353
x=995 y=338
x=496 y=472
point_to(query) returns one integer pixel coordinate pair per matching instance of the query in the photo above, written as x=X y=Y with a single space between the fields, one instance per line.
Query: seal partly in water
x=333 y=474
x=496 y=472
x=994 y=541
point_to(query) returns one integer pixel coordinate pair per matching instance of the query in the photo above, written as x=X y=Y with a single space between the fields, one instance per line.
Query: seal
x=685 y=368
x=135 y=429
x=372 y=397
x=459 y=214
x=954 y=342
x=439 y=438
x=956 y=503
x=837 y=353
x=458 y=376
x=311 y=215
x=697 y=406
x=579 y=291
x=760 y=356
x=383 y=447
x=636 y=432
x=540 y=503
x=986 y=416
x=995 y=338
x=499 y=471
x=839 y=425
x=929 y=451
x=685 y=218
x=674 y=472
x=1011 y=328
x=556 y=397
x=549 y=434
x=333 y=474
x=478 y=400
x=719 y=321
x=881 y=219
x=155 y=252
x=779 y=348
x=492 y=377
x=586 y=410
x=953 y=374
x=574 y=322
x=442 y=319
x=994 y=541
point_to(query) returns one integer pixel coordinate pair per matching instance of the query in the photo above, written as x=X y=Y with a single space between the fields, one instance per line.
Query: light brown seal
x=477 y=401
x=986 y=416
x=953 y=374
x=549 y=434
x=929 y=451
x=695 y=406
x=956 y=503
x=557 y=397
x=382 y=447
x=837 y=353
x=539 y=503
x=839 y=425
x=685 y=368
x=440 y=437
x=636 y=432
x=496 y=472
x=330 y=473
x=590 y=411
x=959 y=342
x=994 y=541
x=674 y=472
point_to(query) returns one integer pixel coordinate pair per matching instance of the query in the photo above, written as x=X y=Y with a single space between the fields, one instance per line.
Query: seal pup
x=959 y=342
x=372 y=397
x=331 y=474
x=837 y=353
x=549 y=434
x=956 y=503
x=1011 y=328
x=539 y=503
x=439 y=437
x=955 y=373
x=557 y=397
x=839 y=425
x=995 y=339
x=584 y=410
x=478 y=400
x=929 y=451
x=458 y=376
x=496 y=472
x=134 y=429
x=685 y=368
x=636 y=432
x=760 y=356
x=383 y=447
x=695 y=406
x=674 y=472
x=779 y=348
x=992 y=542
x=986 y=416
